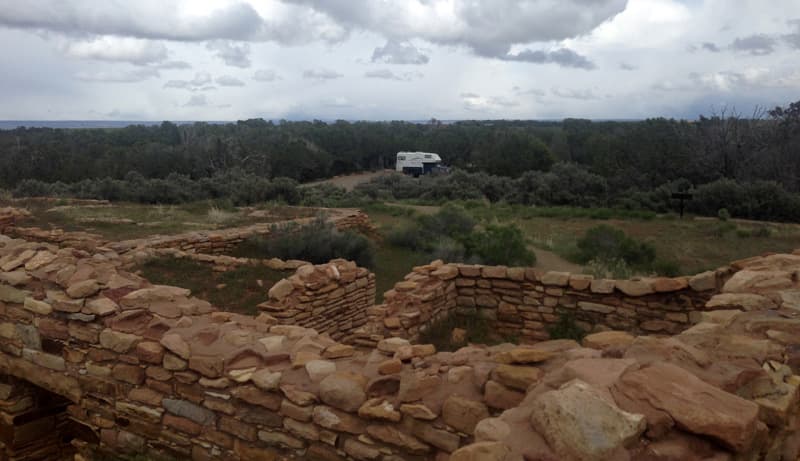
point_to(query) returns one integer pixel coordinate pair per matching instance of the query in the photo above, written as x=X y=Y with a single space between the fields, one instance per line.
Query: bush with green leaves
x=607 y=243
x=317 y=242
x=500 y=245
x=451 y=234
x=566 y=328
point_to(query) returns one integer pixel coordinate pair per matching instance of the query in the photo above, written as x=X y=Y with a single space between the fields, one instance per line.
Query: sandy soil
x=549 y=261
x=350 y=181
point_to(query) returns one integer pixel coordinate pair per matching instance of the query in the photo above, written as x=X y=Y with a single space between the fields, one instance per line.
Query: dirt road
x=549 y=261
x=350 y=181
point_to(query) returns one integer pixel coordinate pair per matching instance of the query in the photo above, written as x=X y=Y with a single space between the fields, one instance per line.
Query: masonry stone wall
x=91 y=351
x=151 y=369
x=33 y=422
x=523 y=302
x=331 y=298
x=212 y=242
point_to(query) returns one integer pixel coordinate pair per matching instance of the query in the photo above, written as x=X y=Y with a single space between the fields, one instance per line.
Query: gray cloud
x=265 y=75
x=708 y=46
x=626 y=66
x=793 y=39
x=395 y=52
x=487 y=28
x=227 y=80
x=198 y=83
x=758 y=45
x=563 y=57
x=387 y=74
x=167 y=65
x=233 y=54
x=126 y=76
x=339 y=102
x=321 y=74
x=570 y=93
x=196 y=100
x=530 y=92
x=152 y=19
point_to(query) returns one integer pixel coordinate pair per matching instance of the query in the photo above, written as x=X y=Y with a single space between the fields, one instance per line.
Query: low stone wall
x=222 y=263
x=211 y=242
x=332 y=298
x=524 y=302
x=9 y=216
x=151 y=369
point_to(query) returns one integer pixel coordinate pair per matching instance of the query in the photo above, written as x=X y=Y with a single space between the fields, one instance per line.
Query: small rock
x=463 y=414
x=319 y=369
x=481 y=451
x=266 y=380
x=83 y=289
x=343 y=390
x=175 y=344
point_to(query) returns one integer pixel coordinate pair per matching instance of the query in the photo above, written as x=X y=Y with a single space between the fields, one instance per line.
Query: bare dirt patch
x=349 y=182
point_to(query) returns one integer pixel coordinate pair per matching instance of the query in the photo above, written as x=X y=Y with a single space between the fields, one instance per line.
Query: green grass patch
x=566 y=328
x=241 y=292
x=121 y=221
x=391 y=265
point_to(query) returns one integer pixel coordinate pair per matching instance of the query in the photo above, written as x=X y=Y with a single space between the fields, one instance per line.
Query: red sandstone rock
x=696 y=406
x=463 y=414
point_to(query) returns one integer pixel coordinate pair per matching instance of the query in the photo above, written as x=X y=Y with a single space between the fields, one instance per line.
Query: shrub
x=666 y=268
x=318 y=242
x=615 y=268
x=722 y=228
x=756 y=232
x=607 y=243
x=723 y=214
x=500 y=245
x=566 y=328
x=450 y=220
x=449 y=250
x=407 y=235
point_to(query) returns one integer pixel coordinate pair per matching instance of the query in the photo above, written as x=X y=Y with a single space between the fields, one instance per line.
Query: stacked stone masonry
x=331 y=298
x=213 y=242
x=523 y=302
x=151 y=369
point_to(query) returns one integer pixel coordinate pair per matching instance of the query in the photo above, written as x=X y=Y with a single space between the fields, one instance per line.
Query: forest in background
x=748 y=165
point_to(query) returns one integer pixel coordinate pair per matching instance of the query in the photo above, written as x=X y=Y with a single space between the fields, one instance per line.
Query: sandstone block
x=481 y=451
x=344 y=391
x=463 y=414
x=579 y=423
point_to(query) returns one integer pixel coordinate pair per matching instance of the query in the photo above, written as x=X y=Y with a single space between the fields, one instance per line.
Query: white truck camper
x=419 y=163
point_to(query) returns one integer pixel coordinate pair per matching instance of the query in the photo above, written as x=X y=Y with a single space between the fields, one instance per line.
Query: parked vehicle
x=419 y=163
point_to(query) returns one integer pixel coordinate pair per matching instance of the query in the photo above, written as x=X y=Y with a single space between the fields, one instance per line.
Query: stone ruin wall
x=523 y=302
x=141 y=368
x=331 y=298
x=217 y=242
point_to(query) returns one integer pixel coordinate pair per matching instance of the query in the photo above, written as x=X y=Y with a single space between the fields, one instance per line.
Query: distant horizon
x=111 y=123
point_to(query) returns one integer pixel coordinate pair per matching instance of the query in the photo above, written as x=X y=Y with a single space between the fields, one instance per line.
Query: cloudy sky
x=394 y=59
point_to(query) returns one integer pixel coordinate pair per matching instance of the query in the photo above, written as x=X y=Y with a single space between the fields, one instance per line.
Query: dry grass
x=128 y=220
x=694 y=245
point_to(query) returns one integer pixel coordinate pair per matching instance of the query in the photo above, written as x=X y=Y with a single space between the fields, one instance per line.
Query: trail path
x=549 y=261
x=349 y=181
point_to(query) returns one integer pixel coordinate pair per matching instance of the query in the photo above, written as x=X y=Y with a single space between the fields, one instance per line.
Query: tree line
x=730 y=161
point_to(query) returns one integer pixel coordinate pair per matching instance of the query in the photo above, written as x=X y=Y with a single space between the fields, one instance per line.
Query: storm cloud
x=387 y=59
